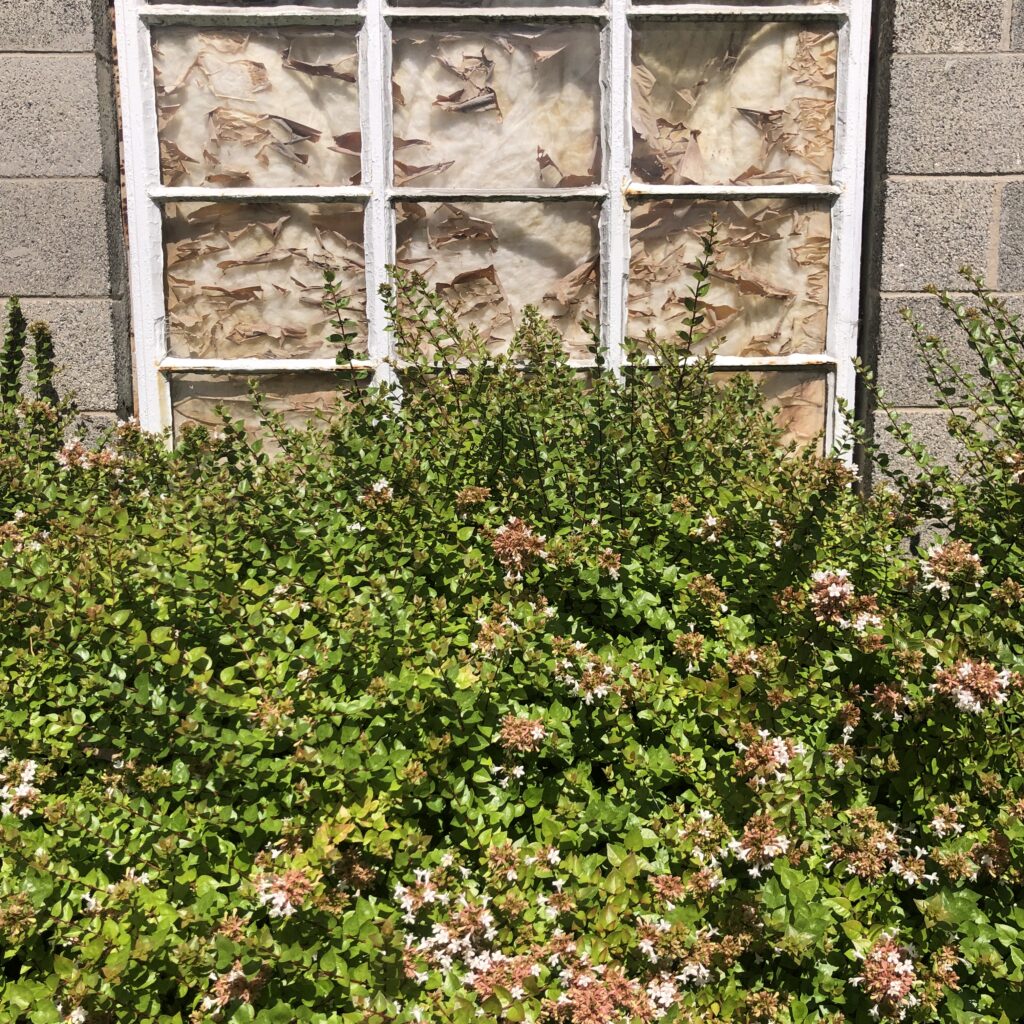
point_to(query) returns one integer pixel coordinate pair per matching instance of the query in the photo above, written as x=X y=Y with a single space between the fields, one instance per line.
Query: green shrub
x=531 y=698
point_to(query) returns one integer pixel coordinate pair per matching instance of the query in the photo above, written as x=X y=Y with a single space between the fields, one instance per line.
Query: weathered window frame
x=146 y=195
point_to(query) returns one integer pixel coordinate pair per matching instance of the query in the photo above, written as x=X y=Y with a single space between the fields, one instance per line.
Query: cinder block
x=93 y=427
x=51 y=111
x=68 y=26
x=91 y=350
x=956 y=114
x=1011 y=237
x=900 y=365
x=56 y=237
x=931 y=228
x=964 y=26
x=1017 y=34
x=929 y=427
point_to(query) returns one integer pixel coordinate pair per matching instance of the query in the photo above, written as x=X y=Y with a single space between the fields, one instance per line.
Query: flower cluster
x=470 y=496
x=517 y=547
x=588 y=675
x=760 y=844
x=951 y=565
x=283 y=893
x=233 y=986
x=975 y=686
x=18 y=791
x=76 y=454
x=378 y=494
x=835 y=602
x=889 y=978
x=764 y=757
x=522 y=735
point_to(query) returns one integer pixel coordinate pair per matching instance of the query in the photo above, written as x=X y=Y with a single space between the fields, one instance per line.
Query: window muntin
x=577 y=154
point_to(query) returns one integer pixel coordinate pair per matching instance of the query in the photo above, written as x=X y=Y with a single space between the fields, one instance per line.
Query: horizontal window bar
x=174 y=364
x=431 y=195
x=554 y=13
x=310 y=194
x=195 y=14
x=752 y=12
x=638 y=190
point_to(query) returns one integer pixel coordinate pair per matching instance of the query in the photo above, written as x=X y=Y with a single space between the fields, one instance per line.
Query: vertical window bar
x=145 y=220
x=615 y=81
x=852 y=84
x=375 y=115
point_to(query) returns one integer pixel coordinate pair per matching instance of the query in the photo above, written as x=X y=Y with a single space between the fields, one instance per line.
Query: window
x=564 y=155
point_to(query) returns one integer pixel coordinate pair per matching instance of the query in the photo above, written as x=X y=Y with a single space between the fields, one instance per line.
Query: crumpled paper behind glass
x=246 y=279
x=733 y=102
x=510 y=107
x=298 y=397
x=798 y=398
x=257 y=107
x=489 y=260
x=770 y=279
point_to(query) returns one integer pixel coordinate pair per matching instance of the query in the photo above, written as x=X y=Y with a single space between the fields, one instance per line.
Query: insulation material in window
x=298 y=397
x=490 y=260
x=769 y=286
x=257 y=107
x=506 y=107
x=733 y=102
x=799 y=398
x=246 y=279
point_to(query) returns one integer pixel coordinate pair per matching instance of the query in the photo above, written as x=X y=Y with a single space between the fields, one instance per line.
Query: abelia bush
x=531 y=698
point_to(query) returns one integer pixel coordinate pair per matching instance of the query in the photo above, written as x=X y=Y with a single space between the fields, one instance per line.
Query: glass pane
x=483 y=4
x=799 y=397
x=267 y=3
x=246 y=279
x=760 y=3
x=490 y=260
x=501 y=107
x=263 y=107
x=769 y=289
x=724 y=102
x=298 y=397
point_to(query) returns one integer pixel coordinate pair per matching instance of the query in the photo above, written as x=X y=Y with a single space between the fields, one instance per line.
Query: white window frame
x=146 y=195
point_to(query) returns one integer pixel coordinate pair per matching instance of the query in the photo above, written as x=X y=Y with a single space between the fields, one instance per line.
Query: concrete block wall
x=946 y=181
x=61 y=245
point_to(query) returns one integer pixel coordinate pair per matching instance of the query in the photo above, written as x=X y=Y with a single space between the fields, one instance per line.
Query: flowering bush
x=533 y=699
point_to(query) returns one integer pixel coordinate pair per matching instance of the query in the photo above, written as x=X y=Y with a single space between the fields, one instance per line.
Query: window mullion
x=615 y=74
x=375 y=117
x=145 y=220
x=849 y=173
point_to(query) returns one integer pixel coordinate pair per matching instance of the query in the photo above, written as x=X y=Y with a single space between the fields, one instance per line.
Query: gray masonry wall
x=947 y=178
x=60 y=226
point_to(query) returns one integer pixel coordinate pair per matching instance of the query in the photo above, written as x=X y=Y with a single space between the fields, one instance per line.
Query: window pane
x=267 y=3
x=246 y=279
x=299 y=397
x=800 y=398
x=264 y=107
x=769 y=290
x=502 y=107
x=490 y=260
x=483 y=4
x=723 y=102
